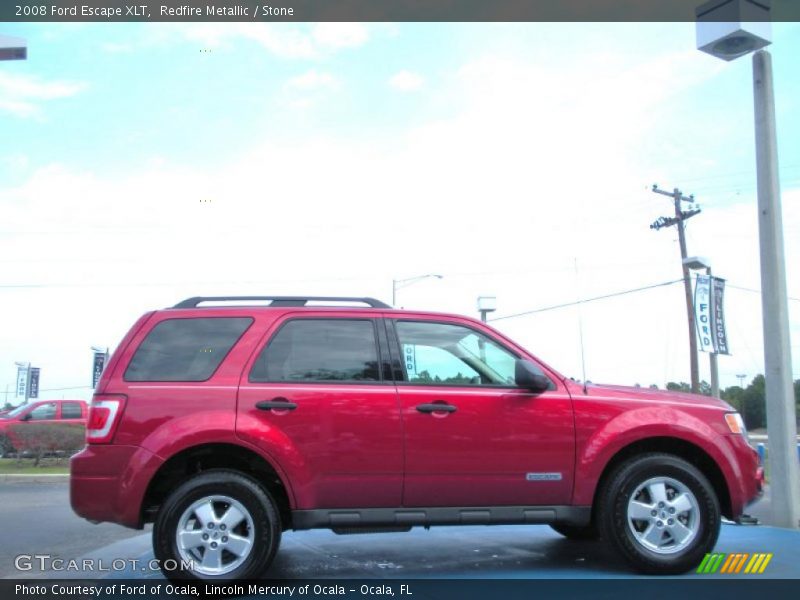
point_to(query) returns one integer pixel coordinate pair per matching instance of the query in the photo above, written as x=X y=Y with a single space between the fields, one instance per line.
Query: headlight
x=735 y=423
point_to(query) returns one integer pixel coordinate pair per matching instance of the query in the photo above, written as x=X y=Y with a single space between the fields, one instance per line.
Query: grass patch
x=24 y=466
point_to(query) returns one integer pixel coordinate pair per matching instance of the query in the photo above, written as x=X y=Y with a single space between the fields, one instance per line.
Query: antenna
x=580 y=327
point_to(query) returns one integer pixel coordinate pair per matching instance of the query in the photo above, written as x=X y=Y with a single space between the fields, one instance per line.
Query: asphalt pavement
x=37 y=518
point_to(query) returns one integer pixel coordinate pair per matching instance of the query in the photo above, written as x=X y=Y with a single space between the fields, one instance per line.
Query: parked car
x=61 y=412
x=227 y=425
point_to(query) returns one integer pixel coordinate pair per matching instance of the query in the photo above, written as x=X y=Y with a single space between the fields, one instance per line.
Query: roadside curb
x=34 y=478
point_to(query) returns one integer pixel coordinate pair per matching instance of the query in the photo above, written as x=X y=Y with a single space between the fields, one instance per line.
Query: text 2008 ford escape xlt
x=228 y=424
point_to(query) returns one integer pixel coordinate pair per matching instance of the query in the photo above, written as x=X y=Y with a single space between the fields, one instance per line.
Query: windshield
x=16 y=412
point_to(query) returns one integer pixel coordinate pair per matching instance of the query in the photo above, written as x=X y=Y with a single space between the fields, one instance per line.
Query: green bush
x=40 y=439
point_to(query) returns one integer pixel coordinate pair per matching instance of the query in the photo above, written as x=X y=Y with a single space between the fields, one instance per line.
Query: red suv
x=226 y=425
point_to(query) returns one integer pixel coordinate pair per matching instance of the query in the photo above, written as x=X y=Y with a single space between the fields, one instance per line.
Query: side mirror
x=528 y=376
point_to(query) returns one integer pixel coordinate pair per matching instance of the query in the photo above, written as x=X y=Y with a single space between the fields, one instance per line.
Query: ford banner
x=709 y=295
x=702 y=313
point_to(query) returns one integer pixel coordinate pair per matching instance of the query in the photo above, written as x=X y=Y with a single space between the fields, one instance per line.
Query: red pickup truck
x=65 y=412
x=227 y=425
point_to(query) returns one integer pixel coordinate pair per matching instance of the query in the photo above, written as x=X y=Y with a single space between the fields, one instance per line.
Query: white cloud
x=304 y=91
x=406 y=81
x=284 y=40
x=340 y=35
x=22 y=95
x=312 y=80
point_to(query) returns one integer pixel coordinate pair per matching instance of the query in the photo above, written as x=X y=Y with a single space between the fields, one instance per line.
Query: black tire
x=576 y=532
x=616 y=529
x=265 y=534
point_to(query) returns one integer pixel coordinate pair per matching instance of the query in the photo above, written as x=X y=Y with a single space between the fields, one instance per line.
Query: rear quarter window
x=70 y=410
x=185 y=349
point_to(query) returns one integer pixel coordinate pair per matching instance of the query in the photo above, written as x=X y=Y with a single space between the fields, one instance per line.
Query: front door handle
x=276 y=404
x=436 y=407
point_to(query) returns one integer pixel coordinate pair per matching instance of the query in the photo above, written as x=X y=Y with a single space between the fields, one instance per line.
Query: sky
x=141 y=164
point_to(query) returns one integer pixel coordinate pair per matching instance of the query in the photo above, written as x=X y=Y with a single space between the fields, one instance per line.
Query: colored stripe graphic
x=701 y=568
x=718 y=563
x=751 y=563
x=734 y=563
x=765 y=563
x=731 y=558
x=741 y=562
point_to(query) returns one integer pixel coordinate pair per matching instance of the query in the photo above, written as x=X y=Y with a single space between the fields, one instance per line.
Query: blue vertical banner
x=98 y=365
x=702 y=313
x=709 y=314
x=33 y=383
x=719 y=335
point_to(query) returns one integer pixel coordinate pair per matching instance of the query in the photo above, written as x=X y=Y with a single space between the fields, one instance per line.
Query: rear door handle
x=276 y=404
x=436 y=407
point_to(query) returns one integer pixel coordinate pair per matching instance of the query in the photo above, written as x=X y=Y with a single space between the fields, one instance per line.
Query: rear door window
x=70 y=410
x=329 y=350
x=185 y=349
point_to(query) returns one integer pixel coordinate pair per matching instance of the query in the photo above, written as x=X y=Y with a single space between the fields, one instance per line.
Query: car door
x=43 y=412
x=72 y=413
x=491 y=443
x=339 y=438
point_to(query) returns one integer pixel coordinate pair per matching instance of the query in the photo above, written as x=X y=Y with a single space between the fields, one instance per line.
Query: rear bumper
x=108 y=483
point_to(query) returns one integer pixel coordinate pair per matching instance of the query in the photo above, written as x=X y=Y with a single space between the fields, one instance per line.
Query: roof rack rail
x=279 y=300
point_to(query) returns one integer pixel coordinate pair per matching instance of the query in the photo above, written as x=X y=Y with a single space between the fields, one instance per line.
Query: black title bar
x=374 y=10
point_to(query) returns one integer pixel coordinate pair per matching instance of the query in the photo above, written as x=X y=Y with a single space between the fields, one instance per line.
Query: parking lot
x=38 y=518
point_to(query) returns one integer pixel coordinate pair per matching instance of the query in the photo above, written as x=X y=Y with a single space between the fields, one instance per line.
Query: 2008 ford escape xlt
x=226 y=421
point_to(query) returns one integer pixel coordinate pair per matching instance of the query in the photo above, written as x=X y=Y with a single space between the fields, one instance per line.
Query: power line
x=585 y=300
x=76 y=387
x=745 y=289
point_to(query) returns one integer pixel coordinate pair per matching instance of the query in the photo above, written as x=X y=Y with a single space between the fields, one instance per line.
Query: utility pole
x=678 y=219
x=781 y=413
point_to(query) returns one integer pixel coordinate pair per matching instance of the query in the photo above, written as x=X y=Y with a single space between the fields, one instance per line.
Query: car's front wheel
x=217 y=525
x=660 y=513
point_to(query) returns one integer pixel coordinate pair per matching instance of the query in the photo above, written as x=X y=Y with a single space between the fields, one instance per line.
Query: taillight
x=104 y=415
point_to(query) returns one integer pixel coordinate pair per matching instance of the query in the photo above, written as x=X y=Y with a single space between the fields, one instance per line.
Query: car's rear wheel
x=217 y=525
x=660 y=513
x=576 y=532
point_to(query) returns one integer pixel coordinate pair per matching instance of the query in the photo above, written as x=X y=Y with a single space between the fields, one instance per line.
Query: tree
x=679 y=387
x=754 y=409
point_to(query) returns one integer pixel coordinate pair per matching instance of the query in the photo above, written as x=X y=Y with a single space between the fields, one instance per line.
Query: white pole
x=781 y=414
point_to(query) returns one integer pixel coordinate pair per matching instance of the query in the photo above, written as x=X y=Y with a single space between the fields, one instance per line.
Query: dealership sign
x=709 y=296
x=22 y=382
x=98 y=365
x=33 y=385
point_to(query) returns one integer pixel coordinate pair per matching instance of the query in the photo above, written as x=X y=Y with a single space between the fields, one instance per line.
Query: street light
x=486 y=304
x=729 y=30
x=741 y=377
x=401 y=283
x=698 y=263
x=12 y=48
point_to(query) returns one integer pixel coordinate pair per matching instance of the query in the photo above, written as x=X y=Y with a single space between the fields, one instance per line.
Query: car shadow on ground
x=501 y=552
